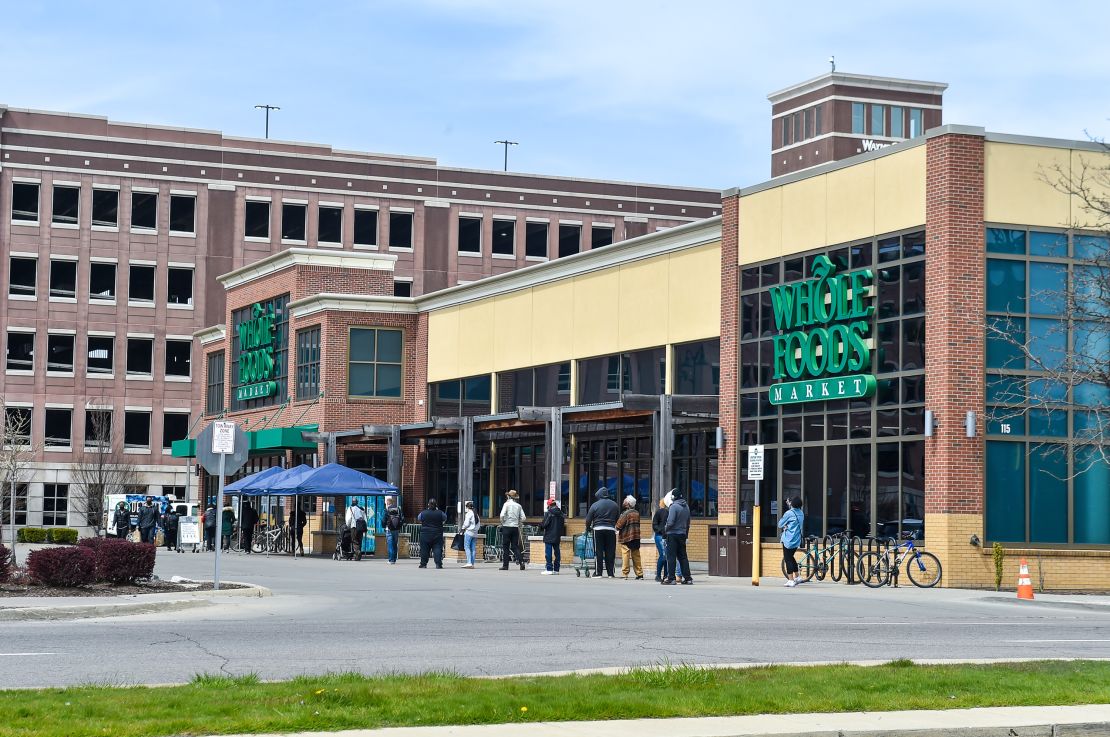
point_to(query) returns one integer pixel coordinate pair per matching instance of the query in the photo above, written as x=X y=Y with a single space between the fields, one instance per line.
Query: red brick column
x=955 y=352
x=727 y=480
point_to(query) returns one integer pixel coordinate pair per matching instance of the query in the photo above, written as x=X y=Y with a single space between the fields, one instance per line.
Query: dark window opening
x=470 y=235
x=98 y=428
x=144 y=210
x=400 y=230
x=22 y=273
x=175 y=426
x=20 y=351
x=136 y=429
x=66 y=206
x=535 y=240
x=308 y=363
x=402 y=288
x=140 y=356
x=214 y=398
x=55 y=504
x=102 y=280
x=105 y=208
x=257 y=220
x=570 y=240
x=601 y=236
x=817 y=122
x=697 y=367
x=59 y=353
x=366 y=227
x=183 y=211
x=293 y=222
x=63 y=279
x=59 y=427
x=374 y=369
x=25 y=202
x=178 y=357
x=461 y=397
x=18 y=421
x=504 y=237
x=330 y=227
x=101 y=359
x=140 y=283
x=180 y=286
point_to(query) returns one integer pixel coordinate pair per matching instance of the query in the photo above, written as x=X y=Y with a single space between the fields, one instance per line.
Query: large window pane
x=1047 y=288
x=1005 y=491
x=1005 y=285
x=1002 y=240
x=1048 y=244
x=1092 y=497
x=293 y=217
x=1005 y=339
x=1048 y=343
x=1048 y=494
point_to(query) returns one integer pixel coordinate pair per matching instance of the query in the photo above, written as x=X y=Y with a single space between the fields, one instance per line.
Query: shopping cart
x=584 y=552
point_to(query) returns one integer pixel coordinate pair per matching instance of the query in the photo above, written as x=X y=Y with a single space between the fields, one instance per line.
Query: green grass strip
x=218 y=705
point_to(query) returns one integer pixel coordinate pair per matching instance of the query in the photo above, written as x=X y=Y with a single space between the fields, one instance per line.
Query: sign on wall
x=823 y=351
x=256 y=354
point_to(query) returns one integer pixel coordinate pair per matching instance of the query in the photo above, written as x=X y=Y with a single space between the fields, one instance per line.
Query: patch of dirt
x=105 y=589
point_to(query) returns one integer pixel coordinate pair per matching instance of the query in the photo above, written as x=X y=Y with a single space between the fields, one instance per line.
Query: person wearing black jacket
x=602 y=519
x=297 y=521
x=393 y=523
x=169 y=527
x=677 y=529
x=431 y=534
x=148 y=521
x=658 y=528
x=554 y=526
x=248 y=518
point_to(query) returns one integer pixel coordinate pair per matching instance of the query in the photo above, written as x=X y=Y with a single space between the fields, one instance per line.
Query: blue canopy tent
x=279 y=484
x=248 y=482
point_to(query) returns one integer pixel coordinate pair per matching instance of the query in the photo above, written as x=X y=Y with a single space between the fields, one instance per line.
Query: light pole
x=506 y=144
x=267 y=108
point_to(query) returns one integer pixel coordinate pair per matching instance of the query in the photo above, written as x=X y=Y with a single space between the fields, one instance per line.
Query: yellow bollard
x=757 y=548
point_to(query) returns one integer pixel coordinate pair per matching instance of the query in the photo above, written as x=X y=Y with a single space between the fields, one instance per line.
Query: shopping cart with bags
x=584 y=552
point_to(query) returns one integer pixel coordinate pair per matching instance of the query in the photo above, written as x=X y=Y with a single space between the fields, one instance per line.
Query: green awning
x=268 y=439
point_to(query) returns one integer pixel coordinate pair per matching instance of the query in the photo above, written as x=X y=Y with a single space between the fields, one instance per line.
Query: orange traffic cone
x=1025 y=586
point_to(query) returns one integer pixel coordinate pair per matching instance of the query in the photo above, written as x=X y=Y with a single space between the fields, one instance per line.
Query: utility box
x=730 y=551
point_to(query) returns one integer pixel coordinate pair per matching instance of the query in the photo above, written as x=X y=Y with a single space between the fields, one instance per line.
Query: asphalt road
x=372 y=617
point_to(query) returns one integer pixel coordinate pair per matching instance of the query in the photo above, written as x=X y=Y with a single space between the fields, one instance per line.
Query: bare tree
x=102 y=468
x=1071 y=358
x=16 y=455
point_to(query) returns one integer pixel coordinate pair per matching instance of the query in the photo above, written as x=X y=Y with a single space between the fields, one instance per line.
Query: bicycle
x=880 y=569
x=807 y=566
x=830 y=556
x=270 y=540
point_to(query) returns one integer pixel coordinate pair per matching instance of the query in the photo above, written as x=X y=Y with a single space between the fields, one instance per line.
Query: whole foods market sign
x=823 y=351
x=256 y=354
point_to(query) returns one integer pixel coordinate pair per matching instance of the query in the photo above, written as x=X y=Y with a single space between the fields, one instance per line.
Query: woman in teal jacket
x=792 y=523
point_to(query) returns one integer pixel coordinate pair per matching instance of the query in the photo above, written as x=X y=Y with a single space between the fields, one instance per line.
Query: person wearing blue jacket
x=792 y=523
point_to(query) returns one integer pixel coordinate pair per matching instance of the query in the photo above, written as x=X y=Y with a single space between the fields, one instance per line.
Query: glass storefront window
x=1004 y=240
x=1005 y=491
x=1048 y=244
x=1005 y=337
x=1047 y=288
x=1048 y=494
x=1092 y=497
x=1005 y=285
x=697 y=367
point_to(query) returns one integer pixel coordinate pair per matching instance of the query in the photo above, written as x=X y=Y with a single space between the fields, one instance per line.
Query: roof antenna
x=832 y=63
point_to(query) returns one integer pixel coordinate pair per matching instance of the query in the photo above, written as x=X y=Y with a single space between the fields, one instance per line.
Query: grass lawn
x=217 y=705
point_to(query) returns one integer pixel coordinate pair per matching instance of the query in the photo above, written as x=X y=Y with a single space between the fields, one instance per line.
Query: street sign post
x=222 y=448
x=755 y=473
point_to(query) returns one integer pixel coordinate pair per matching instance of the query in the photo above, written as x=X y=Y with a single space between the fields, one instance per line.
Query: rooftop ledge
x=307 y=257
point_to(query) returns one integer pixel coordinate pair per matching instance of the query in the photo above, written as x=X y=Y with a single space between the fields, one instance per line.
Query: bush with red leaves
x=121 y=561
x=5 y=564
x=64 y=567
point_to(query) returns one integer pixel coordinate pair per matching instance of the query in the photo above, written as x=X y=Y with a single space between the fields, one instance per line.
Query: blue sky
x=670 y=92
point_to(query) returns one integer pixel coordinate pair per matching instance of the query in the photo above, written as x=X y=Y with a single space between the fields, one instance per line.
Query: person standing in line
x=628 y=534
x=512 y=522
x=297 y=521
x=602 y=519
x=658 y=528
x=210 y=527
x=677 y=529
x=431 y=522
x=792 y=523
x=121 y=520
x=169 y=528
x=356 y=520
x=554 y=526
x=248 y=518
x=148 y=521
x=471 y=526
x=393 y=523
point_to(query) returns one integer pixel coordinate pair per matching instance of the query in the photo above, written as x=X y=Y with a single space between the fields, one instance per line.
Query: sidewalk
x=1021 y=721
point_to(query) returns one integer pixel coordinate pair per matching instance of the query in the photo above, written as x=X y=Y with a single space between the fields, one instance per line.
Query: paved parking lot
x=369 y=616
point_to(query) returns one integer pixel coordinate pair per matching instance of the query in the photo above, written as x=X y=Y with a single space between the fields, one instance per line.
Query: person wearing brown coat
x=628 y=535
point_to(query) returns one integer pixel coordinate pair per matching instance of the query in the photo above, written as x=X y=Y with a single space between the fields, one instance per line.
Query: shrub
x=31 y=535
x=121 y=561
x=62 y=535
x=92 y=543
x=64 y=567
x=998 y=553
x=5 y=564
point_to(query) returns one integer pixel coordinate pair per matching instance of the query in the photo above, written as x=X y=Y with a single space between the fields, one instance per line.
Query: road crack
x=205 y=650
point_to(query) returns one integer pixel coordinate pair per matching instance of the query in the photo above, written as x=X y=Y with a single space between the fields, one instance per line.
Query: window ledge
x=105 y=377
x=98 y=301
x=505 y=256
x=255 y=239
x=65 y=226
x=178 y=379
x=64 y=300
x=470 y=254
x=536 y=258
x=170 y=306
x=182 y=234
x=60 y=374
x=144 y=231
x=26 y=223
x=139 y=377
x=58 y=449
x=18 y=372
x=329 y=244
x=401 y=249
x=23 y=298
x=293 y=242
x=365 y=247
x=136 y=451
x=105 y=228
x=148 y=305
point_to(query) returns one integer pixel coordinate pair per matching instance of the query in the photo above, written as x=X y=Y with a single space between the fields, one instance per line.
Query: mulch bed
x=105 y=589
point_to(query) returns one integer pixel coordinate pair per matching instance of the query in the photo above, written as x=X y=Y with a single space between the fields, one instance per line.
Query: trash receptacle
x=746 y=551
x=724 y=551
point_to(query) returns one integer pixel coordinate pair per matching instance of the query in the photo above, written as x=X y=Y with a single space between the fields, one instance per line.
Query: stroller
x=344 y=546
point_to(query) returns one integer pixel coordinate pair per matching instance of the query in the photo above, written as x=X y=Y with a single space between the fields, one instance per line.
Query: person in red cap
x=554 y=526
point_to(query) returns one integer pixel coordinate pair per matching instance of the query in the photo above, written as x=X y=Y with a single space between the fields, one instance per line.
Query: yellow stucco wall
x=671 y=298
x=1019 y=184
x=877 y=196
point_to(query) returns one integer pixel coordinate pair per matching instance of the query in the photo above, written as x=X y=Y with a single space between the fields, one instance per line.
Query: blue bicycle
x=881 y=568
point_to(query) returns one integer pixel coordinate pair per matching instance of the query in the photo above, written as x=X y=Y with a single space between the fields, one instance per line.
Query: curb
x=1087 y=606
x=190 y=600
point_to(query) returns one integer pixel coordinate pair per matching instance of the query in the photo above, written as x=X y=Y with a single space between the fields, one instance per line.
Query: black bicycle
x=881 y=568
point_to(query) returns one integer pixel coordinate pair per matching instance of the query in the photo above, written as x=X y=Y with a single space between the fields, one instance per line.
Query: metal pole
x=506 y=143
x=267 y=108
x=219 y=524
x=757 y=546
x=11 y=517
